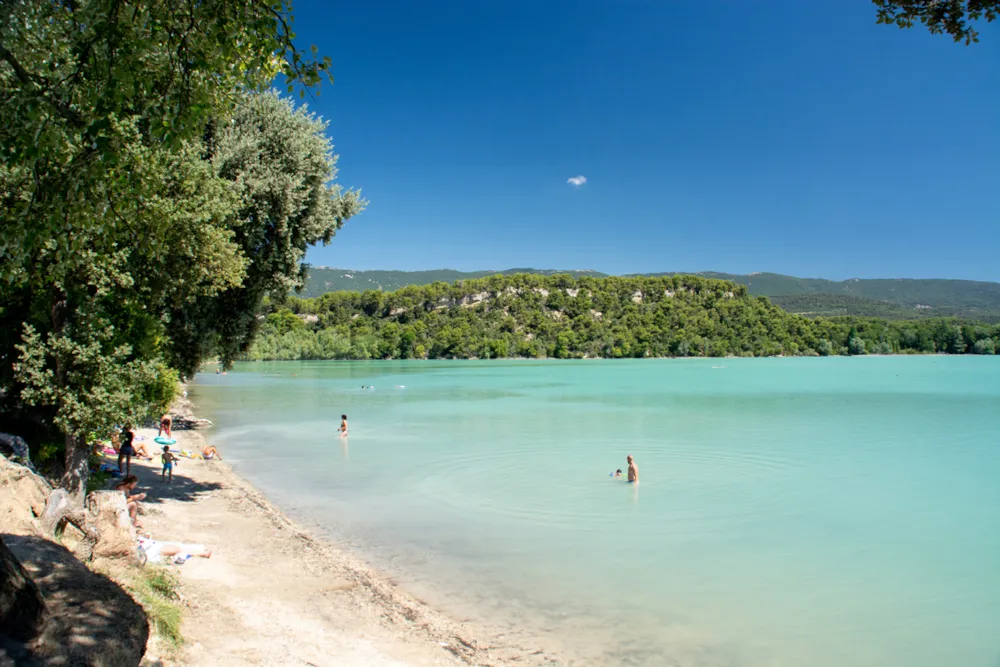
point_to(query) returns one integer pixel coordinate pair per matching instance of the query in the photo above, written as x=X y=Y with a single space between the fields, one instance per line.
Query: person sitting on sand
x=125 y=451
x=168 y=464
x=166 y=421
x=343 y=426
x=139 y=449
x=633 y=470
x=127 y=486
x=210 y=452
x=156 y=550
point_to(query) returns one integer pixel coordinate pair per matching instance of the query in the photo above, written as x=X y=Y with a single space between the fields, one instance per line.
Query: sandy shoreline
x=272 y=594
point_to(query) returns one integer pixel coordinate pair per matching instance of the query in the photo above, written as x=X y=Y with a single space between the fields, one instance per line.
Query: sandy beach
x=272 y=594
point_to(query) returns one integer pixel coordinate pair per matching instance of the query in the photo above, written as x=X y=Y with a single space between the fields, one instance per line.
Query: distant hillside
x=840 y=305
x=898 y=298
x=559 y=316
x=323 y=279
x=888 y=298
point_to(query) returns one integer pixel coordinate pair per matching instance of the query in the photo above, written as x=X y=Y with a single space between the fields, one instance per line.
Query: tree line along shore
x=567 y=317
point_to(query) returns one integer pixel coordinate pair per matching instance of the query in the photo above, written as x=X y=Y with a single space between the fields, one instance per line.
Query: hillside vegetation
x=892 y=299
x=322 y=279
x=564 y=317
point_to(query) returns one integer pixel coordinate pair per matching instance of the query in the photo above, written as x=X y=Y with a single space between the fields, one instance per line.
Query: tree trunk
x=60 y=509
x=108 y=514
x=74 y=480
x=21 y=606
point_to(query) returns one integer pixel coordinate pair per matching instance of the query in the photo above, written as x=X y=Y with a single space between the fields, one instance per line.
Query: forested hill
x=559 y=316
x=893 y=299
x=323 y=279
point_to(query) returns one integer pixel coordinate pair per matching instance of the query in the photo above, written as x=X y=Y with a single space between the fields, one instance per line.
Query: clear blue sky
x=790 y=136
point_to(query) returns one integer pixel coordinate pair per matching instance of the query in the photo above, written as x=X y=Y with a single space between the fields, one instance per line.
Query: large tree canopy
x=282 y=166
x=954 y=17
x=118 y=220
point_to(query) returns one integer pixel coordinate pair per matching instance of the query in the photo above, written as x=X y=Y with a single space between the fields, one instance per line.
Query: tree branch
x=26 y=79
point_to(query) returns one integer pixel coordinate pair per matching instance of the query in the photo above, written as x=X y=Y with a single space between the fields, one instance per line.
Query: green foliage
x=140 y=177
x=889 y=299
x=282 y=166
x=984 y=346
x=954 y=17
x=98 y=385
x=562 y=317
x=321 y=279
x=155 y=589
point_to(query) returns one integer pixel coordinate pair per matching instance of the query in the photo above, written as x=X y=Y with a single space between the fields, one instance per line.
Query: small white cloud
x=577 y=181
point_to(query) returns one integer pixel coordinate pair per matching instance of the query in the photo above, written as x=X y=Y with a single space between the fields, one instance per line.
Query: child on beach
x=343 y=426
x=168 y=464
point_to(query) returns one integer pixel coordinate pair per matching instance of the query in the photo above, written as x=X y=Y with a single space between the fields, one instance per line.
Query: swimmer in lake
x=343 y=426
x=633 y=470
x=618 y=473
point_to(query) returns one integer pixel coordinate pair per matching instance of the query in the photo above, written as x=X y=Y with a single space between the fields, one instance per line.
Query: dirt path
x=272 y=595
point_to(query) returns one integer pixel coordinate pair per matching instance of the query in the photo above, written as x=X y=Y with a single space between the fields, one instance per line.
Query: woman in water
x=343 y=426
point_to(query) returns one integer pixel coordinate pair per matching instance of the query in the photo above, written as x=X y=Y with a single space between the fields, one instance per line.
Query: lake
x=835 y=512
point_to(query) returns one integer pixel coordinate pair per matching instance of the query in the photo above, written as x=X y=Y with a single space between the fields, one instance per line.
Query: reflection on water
x=795 y=512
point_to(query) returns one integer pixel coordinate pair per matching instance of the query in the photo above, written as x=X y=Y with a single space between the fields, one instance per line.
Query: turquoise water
x=791 y=513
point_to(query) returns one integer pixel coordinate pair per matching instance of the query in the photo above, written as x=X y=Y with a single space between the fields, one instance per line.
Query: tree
x=954 y=17
x=282 y=166
x=112 y=221
x=984 y=346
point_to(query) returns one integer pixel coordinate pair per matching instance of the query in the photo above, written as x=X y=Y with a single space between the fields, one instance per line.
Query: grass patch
x=155 y=589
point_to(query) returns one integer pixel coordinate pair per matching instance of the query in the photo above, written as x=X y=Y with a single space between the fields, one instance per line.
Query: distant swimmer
x=618 y=473
x=343 y=426
x=633 y=470
x=400 y=386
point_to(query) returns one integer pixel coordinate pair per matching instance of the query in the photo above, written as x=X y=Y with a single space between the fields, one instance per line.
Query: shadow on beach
x=88 y=616
x=183 y=488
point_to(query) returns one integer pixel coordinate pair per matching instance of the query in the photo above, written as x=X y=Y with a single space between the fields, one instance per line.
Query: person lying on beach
x=156 y=550
x=127 y=486
x=166 y=421
x=343 y=426
x=210 y=452
x=633 y=470
x=168 y=464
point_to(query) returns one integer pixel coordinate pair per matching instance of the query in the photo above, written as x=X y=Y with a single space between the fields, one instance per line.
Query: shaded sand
x=273 y=595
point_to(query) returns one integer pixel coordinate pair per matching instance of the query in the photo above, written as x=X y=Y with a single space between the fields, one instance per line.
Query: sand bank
x=272 y=594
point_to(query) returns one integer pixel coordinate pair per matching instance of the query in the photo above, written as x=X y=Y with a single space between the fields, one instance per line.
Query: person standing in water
x=343 y=426
x=633 y=470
